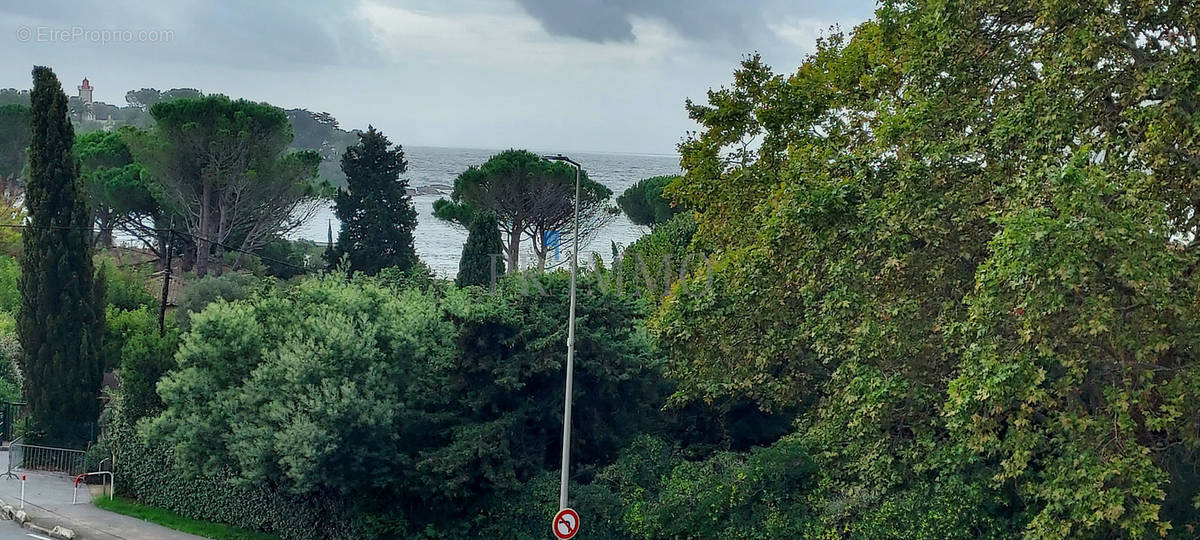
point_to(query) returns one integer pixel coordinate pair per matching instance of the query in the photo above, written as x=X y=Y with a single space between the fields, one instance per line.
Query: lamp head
x=560 y=157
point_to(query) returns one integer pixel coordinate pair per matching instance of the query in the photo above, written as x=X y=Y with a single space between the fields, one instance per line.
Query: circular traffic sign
x=566 y=523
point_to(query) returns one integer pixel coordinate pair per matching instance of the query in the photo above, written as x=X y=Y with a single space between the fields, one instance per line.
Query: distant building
x=85 y=96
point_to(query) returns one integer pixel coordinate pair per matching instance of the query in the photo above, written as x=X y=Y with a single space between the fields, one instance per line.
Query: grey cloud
x=265 y=34
x=727 y=21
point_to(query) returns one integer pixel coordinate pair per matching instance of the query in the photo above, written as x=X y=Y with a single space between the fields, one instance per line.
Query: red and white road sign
x=566 y=523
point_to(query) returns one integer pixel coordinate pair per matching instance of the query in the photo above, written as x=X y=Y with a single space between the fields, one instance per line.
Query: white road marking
x=38 y=537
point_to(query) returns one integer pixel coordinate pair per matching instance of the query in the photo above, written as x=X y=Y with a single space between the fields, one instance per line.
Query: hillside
x=317 y=131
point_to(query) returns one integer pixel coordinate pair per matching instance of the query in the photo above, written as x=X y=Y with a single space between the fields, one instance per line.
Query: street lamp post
x=566 y=438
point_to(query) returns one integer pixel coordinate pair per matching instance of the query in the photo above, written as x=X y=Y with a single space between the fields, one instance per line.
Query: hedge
x=145 y=471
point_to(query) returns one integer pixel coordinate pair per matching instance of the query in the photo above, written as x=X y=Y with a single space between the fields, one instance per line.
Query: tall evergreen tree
x=377 y=215
x=483 y=241
x=61 y=318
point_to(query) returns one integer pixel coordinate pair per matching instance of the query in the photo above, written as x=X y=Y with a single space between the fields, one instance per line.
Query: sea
x=431 y=173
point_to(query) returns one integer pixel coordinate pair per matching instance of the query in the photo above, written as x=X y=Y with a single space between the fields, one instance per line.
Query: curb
x=22 y=519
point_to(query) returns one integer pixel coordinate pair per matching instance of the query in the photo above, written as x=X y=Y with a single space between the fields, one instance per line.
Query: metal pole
x=566 y=440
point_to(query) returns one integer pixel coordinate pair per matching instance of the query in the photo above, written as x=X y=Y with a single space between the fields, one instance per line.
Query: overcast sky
x=601 y=75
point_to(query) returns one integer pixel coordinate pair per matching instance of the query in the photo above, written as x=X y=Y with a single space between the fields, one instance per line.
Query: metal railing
x=30 y=457
x=111 y=488
x=15 y=454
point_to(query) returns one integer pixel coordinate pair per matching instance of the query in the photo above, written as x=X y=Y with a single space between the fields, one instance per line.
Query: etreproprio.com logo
x=83 y=34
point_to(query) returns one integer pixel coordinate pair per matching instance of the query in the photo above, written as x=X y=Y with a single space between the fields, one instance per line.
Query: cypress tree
x=61 y=320
x=483 y=241
x=377 y=215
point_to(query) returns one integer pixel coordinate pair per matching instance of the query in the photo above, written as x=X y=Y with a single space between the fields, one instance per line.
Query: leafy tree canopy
x=529 y=196
x=644 y=203
x=226 y=169
x=963 y=245
x=118 y=188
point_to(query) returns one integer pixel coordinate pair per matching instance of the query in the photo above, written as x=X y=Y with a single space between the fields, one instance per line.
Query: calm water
x=439 y=244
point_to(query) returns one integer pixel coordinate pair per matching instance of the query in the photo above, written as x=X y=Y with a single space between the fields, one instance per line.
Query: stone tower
x=85 y=96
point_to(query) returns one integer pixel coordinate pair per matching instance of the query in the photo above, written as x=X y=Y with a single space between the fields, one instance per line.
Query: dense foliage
x=117 y=188
x=61 y=319
x=938 y=282
x=653 y=263
x=644 y=203
x=377 y=214
x=202 y=292
x=482 y=256
x=964 y=249
x=149 y=472
x=441 y=400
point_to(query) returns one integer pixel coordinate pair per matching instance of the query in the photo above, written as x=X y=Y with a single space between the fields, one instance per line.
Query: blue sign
x=550 y=240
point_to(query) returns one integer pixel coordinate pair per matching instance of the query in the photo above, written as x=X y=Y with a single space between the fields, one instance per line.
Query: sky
x=583 y=75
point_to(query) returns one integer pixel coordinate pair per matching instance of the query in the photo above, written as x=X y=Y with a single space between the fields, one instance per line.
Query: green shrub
x=148 y=472
x=94 y=456
x=419 y=276
x=9 y=391
x=436 y=403
x=763 y=493
x=526 y=513
x=200 y=293
x=10 y=296
x=11 y=380
x=285 y=259
x=122 y=325
x=653 y=262
x=125 y=286
x=951 y=508
x=143 y=357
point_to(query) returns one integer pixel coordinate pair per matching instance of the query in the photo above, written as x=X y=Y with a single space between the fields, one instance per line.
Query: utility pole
x=162 y=305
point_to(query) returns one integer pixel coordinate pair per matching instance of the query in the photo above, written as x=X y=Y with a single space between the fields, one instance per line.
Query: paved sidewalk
x=48 y=503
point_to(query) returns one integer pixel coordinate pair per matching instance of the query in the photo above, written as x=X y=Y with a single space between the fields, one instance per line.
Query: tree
x=117 y=187
x=145 y=98
x=479 y=264
x=529 y=196
x=61 y=321
x=644 y=203
x=965 y=254
x=14 y=140
x=377 y=214
x=226 y=172
x=12 y=96
x=451 y=397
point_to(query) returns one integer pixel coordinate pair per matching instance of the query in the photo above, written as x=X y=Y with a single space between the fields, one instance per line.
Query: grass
x=171 y=520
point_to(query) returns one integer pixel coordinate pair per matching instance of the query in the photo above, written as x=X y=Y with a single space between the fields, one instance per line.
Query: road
x=9 y=530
